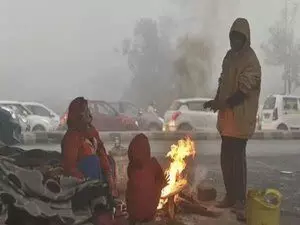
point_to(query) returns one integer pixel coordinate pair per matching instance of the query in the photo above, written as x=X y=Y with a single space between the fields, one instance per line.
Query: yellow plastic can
x=263 y=207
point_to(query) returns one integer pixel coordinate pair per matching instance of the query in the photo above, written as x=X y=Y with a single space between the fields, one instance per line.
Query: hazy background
x=54 y=50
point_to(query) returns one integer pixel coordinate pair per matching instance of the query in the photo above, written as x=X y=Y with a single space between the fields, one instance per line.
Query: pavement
x=266 y=161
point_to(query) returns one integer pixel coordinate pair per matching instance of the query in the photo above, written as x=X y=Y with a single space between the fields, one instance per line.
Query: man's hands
x=209 y=104
x=221 y=105
x=215 y=105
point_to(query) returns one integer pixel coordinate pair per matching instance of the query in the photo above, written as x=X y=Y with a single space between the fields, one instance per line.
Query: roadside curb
x=29 y=138
x=56 y=137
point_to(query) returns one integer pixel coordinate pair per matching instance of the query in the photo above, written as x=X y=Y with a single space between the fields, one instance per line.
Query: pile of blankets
x=30 y=193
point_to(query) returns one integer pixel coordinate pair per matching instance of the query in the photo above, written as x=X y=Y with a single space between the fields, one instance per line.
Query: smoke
x=200 y=174
x=201 y=45
x=189 y=55
x=68 y=51
x=211 y=20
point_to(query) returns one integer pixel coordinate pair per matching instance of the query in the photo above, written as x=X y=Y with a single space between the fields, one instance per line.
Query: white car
x=189 y=114
x=37 y=123
x=281 y=112
x=44 y=112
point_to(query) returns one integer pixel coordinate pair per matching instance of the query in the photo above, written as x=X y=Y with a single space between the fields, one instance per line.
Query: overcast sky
x=56 y=48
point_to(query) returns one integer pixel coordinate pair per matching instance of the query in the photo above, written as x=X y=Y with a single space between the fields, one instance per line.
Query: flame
x=177 y=154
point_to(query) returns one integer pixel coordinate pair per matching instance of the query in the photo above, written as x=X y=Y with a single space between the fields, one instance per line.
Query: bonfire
x=177 y=180
x=177 y=194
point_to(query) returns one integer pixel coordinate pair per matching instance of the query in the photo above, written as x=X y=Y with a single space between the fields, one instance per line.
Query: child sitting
x=145 y=181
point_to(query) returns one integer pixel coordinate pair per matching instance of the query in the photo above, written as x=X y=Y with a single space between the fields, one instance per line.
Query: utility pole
x=286 y=72
x=289 y=45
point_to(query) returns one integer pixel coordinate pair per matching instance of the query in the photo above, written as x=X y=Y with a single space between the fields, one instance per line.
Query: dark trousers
x=234 y=167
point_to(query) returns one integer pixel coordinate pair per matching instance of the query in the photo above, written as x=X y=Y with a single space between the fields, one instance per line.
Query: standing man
x=237 y=102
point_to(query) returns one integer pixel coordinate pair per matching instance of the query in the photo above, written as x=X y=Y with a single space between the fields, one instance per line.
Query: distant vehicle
x=281 y=112
x=189 y=114
x=10 y=129
x=259 y=117
x=105 y=118
x=147 y=120
x=41 y=110
x=37 y=123
x=20 y=117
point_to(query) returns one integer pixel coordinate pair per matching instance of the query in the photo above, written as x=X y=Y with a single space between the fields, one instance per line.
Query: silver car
x=10 y=132
x=19 y=116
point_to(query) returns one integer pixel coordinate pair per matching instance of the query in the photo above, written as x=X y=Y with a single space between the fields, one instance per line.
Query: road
x=266 y=161
x=255 y=148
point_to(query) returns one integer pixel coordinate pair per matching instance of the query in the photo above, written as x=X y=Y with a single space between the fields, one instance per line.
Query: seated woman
x=84 y=155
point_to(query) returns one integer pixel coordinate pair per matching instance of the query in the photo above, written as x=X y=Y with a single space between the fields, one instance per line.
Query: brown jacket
x=240 y=71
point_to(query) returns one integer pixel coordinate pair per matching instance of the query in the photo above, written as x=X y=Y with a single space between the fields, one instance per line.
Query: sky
x=54 y=50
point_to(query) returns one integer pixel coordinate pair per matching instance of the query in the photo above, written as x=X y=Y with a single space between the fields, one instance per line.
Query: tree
x=194 y=66
x=162 y=73
x=283 y=50
x=149 y=57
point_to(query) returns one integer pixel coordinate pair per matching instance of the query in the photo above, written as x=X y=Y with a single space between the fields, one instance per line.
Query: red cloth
x=75 y=114
x=81 y=140
x=101 y=151
x=145 y=181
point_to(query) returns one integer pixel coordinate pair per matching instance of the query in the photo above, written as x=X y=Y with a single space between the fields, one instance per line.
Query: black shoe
x=225 y=203
x=241 y=216
x=233 y=208
x=237 y=207
x=240 y=211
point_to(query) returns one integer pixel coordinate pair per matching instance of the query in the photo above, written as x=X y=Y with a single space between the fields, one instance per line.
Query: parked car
x=41 y=110
x=37 y=123
x=10 y=129
x=105 y=118
x=20 y=117
x=189 y=114
x=281 y=112
x=146 y=120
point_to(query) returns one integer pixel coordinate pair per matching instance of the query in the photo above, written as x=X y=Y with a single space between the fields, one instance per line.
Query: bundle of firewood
x=187 y=202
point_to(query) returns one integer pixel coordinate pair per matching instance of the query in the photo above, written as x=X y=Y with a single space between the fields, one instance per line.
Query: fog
x=52 y=51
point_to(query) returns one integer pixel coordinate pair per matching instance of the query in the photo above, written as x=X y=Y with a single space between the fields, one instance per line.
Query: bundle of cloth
x=31 y=158
x=36 y=196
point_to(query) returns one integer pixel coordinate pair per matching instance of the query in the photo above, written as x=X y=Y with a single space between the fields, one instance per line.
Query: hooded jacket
x=145 y=181
x=83 y=152
x=241 y=71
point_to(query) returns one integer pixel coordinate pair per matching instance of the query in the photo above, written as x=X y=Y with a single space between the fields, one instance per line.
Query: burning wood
x=177 y=195
x=171 y=207
x=188 y=203
x=177 y=180
x=197 y=208
x=170 y=200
